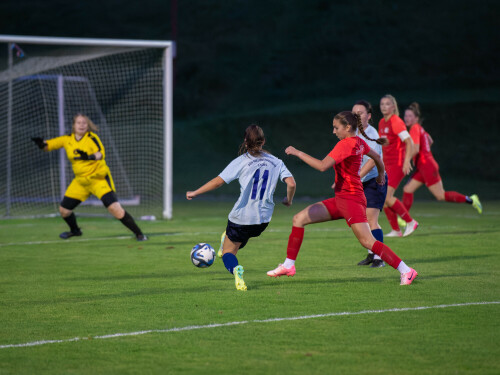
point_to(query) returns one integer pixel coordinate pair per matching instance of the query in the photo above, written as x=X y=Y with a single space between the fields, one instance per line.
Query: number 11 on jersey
x=256 y=177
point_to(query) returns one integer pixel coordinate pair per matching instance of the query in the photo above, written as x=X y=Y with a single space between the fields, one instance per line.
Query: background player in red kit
x=349 y=201
x=397 y=155
x=426 y=168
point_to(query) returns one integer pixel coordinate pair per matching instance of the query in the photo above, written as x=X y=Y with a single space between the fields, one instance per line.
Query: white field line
x=74 y=240
x=217 y=325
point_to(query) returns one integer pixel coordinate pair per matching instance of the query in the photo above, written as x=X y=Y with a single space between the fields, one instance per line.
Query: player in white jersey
x=257 y=172
x=375 y=194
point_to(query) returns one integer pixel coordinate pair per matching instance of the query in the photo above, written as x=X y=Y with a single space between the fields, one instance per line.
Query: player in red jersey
x=426 y=168
x=349 y=201
x=397 y=156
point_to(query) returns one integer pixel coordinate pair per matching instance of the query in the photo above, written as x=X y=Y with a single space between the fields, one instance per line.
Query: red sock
x=453 y=196
x=400 y=209
x=407 y=200
x=294 y=242
x=387 y=255
x=392 y=218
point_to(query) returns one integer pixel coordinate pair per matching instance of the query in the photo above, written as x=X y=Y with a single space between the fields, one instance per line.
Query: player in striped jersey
x=426 y=168
x=92 y=175
x=257 y=172
x=375 y=193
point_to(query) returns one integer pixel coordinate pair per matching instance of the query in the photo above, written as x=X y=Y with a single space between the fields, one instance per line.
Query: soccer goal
x=124 y=86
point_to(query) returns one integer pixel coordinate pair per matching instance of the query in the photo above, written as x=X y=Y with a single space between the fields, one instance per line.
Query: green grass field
x=333 y=317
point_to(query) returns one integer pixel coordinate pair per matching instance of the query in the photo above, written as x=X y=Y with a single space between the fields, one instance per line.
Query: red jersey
x=348 y=155
x=394 y=152
x=420 y=137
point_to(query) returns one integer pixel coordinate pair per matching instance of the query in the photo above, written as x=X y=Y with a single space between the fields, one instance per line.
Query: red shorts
x=394 y=174
x=427 y=173
x=352 y=211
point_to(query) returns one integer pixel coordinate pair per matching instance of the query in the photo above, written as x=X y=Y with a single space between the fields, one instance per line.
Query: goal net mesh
x=119 y=89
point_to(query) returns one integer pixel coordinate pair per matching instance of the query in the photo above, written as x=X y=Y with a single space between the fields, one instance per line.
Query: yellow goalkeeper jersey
x=90 y=143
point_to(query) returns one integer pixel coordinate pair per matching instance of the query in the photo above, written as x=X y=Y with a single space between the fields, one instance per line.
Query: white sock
x=370 y=252
x=288 y=263
x=376 y=257
x=403 y=268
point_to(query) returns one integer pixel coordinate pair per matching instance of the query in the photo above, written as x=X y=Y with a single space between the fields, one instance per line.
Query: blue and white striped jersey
x=371 y=132
x=258 y=177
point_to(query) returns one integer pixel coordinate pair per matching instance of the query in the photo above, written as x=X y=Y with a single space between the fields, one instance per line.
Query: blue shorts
x=242 y=233
x=374 y=193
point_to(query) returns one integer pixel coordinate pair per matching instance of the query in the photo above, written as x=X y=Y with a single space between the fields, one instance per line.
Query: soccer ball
x=202 y=255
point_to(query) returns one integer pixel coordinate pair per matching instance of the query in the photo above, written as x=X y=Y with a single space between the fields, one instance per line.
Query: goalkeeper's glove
x=39 y=142
x=84 y=155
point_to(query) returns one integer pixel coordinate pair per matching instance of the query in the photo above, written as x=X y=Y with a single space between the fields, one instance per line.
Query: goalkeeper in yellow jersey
x=92 y=176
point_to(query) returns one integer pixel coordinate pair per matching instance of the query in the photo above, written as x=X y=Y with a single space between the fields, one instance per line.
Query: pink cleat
x=408 y=277
x=282 y=271
x=410 y=228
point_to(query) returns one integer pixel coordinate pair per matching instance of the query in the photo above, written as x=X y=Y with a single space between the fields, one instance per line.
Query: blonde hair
x=394 y=102
x=92 y=127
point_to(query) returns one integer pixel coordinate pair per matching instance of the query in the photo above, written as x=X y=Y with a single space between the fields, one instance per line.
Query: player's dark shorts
x=375 y=194
x=242 y=233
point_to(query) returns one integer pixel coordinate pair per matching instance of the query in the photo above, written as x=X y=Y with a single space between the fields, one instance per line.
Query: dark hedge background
x=291 y=65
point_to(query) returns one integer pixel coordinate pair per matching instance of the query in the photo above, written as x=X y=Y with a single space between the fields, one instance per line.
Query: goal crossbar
x=168 y=55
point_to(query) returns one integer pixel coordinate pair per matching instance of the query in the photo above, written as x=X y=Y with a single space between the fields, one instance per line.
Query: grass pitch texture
x=64 y=304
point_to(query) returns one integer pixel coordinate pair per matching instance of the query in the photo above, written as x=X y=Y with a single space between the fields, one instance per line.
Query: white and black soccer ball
x=202 y=255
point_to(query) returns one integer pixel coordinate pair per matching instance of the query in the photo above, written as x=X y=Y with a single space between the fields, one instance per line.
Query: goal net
x=124 y=87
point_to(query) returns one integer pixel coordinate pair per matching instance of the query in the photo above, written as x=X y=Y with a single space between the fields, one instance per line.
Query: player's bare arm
x=320 y=165
x=213 y=184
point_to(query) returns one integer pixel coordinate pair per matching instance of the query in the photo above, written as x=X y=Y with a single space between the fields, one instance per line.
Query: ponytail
x=354 y=119
x=380 y=141
x=253 y=141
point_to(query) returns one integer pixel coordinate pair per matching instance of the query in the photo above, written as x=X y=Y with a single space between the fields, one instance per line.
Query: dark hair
x=254 y=140
x=368 y=106
x=353 y=119
x=415 y=108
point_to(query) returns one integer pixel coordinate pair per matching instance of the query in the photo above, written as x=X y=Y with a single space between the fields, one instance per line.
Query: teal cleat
x=238 y=278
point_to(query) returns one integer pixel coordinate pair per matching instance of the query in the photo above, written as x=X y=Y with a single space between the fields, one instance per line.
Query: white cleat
x=410 y=228
x=394 y=233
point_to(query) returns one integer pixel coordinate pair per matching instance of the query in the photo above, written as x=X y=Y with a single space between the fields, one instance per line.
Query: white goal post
x=124 y=86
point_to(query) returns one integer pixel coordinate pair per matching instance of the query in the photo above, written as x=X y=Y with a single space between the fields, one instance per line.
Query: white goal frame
x=168 y=55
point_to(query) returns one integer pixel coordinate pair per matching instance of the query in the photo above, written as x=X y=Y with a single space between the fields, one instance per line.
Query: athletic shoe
x=368 y=260
x=410 y=228
x=394 y=233
x=401 y=222
x=408 y=277
x=141 y=237
x=476 y=203
x=219 y=253
x=238 y=278
x=66 y=235
x=377 y=263
x=282 y=271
